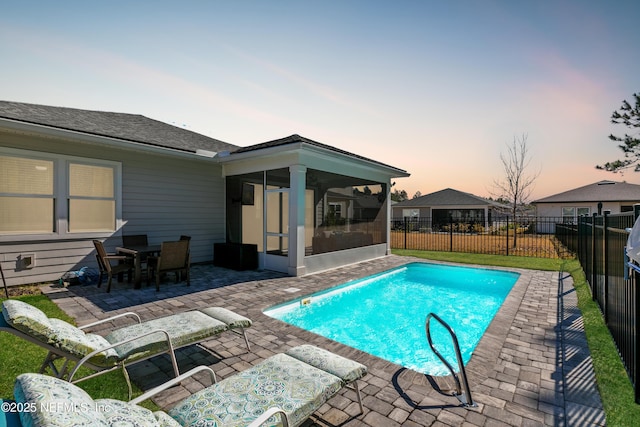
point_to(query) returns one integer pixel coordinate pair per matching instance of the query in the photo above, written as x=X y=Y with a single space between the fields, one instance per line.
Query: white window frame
x=575 y=215
x=61 y=195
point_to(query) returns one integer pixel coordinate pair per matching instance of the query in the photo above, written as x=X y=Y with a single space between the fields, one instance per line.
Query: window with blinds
x=27 y=202
x=44 y=193
x=92 y=203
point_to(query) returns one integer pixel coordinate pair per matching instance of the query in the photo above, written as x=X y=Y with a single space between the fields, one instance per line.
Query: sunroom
x=306 y=206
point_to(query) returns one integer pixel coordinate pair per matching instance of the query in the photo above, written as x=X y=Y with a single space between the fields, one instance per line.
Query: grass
x=616 y=390
x=19 y=356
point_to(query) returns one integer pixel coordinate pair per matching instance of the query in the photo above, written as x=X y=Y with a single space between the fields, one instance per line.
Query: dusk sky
x=437 y=88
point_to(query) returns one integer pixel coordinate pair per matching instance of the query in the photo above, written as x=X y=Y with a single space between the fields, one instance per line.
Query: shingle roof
x=127 y=127
x=297 y=139
x=448 y=196
x=601 y=191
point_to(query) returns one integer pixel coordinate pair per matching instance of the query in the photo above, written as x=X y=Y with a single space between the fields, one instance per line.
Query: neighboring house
x=599 y=197
x=68 y=176
x=448 y=205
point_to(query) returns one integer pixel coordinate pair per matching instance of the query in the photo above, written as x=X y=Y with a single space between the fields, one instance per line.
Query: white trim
x=91 y=139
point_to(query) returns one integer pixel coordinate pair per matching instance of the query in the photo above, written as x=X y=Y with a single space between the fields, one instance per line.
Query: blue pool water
x=385 y=314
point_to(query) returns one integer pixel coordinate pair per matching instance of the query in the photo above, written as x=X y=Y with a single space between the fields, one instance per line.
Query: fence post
x=605 y=265
x=450 y=233
x=507 y=236
x=636 y=350
x=406 y=227
x=594 y=259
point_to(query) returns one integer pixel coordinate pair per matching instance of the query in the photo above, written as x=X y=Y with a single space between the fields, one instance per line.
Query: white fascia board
x=87 y=138
x=309 y=155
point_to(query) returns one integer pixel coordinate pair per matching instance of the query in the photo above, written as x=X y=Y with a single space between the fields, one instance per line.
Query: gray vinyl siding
x=162 y=196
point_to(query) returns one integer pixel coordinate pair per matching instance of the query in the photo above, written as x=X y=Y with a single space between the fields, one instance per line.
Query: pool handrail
x=465 y=397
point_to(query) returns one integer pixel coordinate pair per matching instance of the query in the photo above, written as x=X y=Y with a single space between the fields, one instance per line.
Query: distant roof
x=447 y=197
x=126 y=127
x=602 y=191
x=297 y=139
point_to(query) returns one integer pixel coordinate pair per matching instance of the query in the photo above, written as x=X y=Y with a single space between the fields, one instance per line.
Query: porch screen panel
x=26 y=195
x=92 y=204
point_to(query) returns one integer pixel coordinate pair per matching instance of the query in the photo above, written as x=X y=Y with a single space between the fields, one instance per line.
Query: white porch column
x=486 y=218
x=388 y=225
x=297 y=181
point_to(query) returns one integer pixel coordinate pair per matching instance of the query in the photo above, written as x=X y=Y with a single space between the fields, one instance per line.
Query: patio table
x=138 y=253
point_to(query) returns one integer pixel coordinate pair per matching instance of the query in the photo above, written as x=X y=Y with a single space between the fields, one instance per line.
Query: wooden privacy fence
x=599 y=242
x=522 y=236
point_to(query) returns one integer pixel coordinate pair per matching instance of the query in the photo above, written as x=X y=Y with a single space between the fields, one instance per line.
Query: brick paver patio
x=532 y=367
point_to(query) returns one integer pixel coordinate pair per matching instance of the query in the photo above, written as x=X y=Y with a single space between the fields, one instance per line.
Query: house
x=68 y=176
x=447 y=205
x=599 y=197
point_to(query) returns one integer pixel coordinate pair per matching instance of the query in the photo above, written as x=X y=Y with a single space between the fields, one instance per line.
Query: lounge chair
x=284 y=389
x=122 y=346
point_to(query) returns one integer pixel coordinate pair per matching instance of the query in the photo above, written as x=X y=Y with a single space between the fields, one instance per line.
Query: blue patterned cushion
x=183 y=328
x=27 y=318
x=55 y=403
x=74 y=341
x=339 y=366
x=232 y=319
x=164 y=420
x=123 y=414
x=280 y=380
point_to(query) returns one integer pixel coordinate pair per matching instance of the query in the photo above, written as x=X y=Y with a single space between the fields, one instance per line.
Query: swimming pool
x=385 y=314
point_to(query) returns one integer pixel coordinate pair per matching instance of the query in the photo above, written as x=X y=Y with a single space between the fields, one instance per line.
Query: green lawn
x=615 y=387
x=18 y=356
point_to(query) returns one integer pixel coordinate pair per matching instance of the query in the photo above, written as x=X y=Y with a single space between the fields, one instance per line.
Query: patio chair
x=135 y=240
x=123 y=264
x=284 y=389
x=188 y=239
x=122 y=346
x=174 y=257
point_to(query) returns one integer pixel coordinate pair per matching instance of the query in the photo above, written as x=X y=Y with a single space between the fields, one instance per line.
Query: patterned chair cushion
x=232 y=319
x=280 y=380
x=183 y=328
x=164 y=420
x=122 y=414
x=339 y=366
x=55 y=402
x=75 y=341
x=27 y=318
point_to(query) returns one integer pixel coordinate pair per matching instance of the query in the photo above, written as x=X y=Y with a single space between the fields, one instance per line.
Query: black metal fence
x=522 y=236
x=599 y=242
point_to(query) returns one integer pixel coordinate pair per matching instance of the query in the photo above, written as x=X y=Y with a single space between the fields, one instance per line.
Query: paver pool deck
x=531 y=368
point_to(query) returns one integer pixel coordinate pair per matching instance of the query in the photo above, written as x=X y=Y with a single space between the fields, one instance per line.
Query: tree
x=630 y=117
x=517 y=184
x=399 y=196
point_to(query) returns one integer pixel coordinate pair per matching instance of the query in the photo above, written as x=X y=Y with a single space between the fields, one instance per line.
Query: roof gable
x=297 y=139
x=601 y=191
x=126 y=127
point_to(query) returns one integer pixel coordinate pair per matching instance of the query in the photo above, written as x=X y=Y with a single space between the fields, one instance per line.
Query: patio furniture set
x=170 y=256
x=283 y=389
